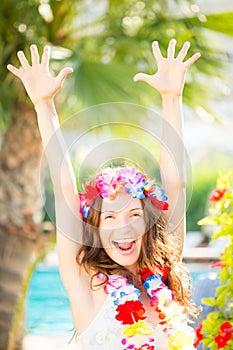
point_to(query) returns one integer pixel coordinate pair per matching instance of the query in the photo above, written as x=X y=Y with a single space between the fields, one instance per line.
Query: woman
x=125 y=281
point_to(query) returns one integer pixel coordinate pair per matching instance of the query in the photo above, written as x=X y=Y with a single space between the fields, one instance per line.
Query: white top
x=105 y=332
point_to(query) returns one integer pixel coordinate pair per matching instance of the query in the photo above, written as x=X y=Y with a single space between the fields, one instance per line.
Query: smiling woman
x=124 y=240
x=119 y=215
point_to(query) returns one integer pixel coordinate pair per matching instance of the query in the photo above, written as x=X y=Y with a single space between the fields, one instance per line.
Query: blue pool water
x=47 y=304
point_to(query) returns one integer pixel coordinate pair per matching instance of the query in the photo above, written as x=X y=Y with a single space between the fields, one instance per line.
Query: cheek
x=105 y=237
x=139 y=227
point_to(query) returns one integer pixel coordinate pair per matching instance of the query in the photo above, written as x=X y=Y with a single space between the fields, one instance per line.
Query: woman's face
x=121 y=228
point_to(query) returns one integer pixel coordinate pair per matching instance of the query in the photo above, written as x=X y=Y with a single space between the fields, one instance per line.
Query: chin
x=128 y=258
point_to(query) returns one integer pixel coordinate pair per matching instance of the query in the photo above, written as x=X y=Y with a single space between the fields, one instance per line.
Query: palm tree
x=21 y=207
x=106 y=43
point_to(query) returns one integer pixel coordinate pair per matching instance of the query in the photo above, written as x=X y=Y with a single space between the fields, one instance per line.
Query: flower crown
x=108 y=183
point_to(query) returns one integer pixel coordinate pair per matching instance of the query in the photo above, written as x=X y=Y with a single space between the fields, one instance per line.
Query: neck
x=133 y=269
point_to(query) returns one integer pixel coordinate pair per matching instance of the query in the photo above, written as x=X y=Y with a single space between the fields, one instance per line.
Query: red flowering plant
x=216 y=331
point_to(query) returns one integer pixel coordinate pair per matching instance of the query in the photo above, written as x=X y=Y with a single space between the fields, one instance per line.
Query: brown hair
x=159 y=248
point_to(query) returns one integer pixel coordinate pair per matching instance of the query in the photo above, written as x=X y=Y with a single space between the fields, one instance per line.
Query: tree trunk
x=20 y=218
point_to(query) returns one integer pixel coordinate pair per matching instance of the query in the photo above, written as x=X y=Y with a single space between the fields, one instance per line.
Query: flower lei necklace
x=111 y=179
x=130 y=312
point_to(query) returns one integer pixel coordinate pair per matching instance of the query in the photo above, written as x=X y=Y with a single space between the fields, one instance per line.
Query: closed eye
x=136 y=213
x=108 y=217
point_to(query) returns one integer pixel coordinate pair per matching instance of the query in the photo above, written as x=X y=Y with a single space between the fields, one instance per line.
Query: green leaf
x=102 y=83
x=219 y=22
x=209 y=301
x=224 y=275
x=221 y=300
x=207 y=221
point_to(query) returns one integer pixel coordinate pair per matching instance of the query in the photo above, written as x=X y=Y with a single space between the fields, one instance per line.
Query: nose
x=123 y=224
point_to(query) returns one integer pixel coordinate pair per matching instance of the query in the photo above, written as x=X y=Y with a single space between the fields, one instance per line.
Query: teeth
x=121 y=241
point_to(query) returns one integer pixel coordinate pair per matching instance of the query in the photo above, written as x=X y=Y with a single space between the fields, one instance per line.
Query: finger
x=13 y=70
x=192 y=59
x=171 y=49
x=46 y=56
x=183 y=52
x=22 y=59
x=63 y=74
x=156 y=51
x=142 y=77
x=34 y=55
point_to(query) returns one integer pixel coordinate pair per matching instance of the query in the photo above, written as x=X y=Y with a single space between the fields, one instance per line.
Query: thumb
x=63 y=74
x=142 y=77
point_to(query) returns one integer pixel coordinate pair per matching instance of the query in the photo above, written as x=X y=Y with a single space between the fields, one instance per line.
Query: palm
x=43 y=86
x=36 y=78
x=169 y=78
x=171 y=71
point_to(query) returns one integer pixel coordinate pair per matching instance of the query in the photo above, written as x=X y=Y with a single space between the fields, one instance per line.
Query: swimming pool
x=47 y=304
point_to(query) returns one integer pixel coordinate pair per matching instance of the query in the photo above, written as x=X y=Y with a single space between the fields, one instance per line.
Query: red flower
x=130 y=312
x=164 y=271
x=217 y=264
x=160 y=205
x=224 y=336
x=145 y=272
x=199 y=335
x=216 y=195
x=91 y=194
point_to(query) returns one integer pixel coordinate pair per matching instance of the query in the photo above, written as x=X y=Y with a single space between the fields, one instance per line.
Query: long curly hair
x=159 y=248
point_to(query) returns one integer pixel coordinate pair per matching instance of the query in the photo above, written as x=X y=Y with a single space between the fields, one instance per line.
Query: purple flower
x=134 y=182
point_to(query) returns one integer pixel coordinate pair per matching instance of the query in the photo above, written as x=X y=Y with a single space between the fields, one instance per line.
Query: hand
x=37 y=80
x=171 y=72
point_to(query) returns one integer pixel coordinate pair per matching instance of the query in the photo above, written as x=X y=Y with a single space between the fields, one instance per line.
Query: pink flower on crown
x=108 y=183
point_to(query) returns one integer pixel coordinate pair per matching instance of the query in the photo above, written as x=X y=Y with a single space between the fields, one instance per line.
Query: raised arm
x=169 y=81
x=41 y=88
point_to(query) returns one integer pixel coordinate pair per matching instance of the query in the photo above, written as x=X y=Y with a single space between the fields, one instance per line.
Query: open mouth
x=125 y=247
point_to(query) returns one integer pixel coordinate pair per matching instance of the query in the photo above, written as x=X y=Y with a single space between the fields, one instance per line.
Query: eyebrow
x=112 y=211
x=107 y=211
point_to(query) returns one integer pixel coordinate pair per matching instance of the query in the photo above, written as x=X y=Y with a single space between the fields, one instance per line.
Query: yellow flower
x=181 y=340
x=174 y=313
x=140 y=327
x=147 y=187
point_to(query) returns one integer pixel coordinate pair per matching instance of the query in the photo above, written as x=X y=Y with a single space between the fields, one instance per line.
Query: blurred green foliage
x=107 y=42
x=217 y=327
x=203 y=182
